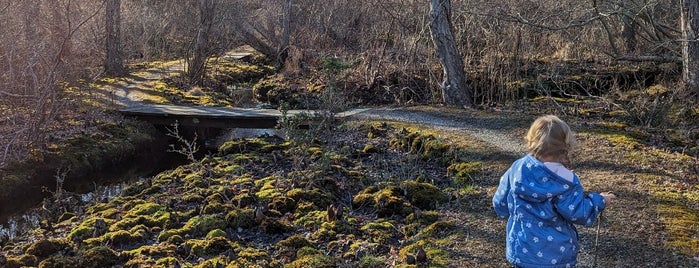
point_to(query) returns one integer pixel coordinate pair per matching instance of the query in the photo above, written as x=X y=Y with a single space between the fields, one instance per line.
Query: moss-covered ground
x=373 y=194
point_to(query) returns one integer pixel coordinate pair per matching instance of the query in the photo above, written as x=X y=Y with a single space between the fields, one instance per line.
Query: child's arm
x=500 y=197
x=578 y=207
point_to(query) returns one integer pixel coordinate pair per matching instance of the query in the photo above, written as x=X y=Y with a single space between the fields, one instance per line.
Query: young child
x=543 y=199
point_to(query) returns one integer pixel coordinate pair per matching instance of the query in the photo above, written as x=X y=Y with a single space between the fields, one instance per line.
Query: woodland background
x=615 y=53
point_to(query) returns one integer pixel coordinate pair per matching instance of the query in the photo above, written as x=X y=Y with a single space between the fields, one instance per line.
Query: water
x=20 y=224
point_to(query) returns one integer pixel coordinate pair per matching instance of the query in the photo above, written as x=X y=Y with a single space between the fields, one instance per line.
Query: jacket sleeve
x=578 y=207
x=500 y=197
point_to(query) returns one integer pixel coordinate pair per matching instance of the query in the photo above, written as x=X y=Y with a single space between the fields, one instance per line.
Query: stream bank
x=117 y=151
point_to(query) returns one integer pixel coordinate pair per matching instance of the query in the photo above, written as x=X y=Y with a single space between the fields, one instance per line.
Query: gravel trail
x=502 y=133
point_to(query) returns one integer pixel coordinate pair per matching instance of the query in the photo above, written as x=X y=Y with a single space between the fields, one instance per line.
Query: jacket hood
x=533 y=181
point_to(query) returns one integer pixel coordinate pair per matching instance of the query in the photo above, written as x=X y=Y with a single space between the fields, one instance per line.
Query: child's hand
x=608 y=197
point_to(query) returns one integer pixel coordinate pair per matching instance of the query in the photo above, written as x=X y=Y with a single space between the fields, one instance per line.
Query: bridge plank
x=203 y=116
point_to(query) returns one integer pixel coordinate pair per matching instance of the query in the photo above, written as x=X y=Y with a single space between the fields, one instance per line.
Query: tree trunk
x=114 y=63
x=201 y=52
x=628 y=29
x=690 y=47
x=286 y=30
x=454 y=90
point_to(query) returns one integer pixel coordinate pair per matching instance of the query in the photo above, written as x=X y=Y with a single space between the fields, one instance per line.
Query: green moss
x=85 y=229
x=243 y=218
x=426 y=145
x=387 y=201
x=438 y=229
x=464 y=172
x=121 y=237
x=310 y=257
x=423 y=217
x=243 y=146
x=360 y=248
x=216 y=233
x=319 y=198
x=371 y=261
x=166 y=262
x=205 y=223
x=622 y=140
x=166 y=235
x=208 y=247
x=423 y=195
x=436 y=257
x=254 y=254
x=66 y=216
x=381 y=231
x=295 y=241
x=283 y=204
x=310 y=218
x=99 y=257
x=45 y=248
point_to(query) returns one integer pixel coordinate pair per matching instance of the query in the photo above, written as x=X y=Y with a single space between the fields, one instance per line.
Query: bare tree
x=201 y=51
x=114 y=63
x=454 y=89
x=286 y=30
x=690 y=47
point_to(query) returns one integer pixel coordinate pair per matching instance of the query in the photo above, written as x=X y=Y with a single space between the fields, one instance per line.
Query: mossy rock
x=288 y=246
x=45 y=248
x=244 y=146
x=311 y=257
x=423 y=195
x=464 y=172
x=377 y=130
x=275 y=226
x=58 y=261
x=99 y=257
x=85 y=229
x=205 y=223
x=370 y=261
x=360 y=248
x=423 y=217
x=134 y=189
x=158 y=219
x=381 y=231
x=387 y=201
x=243 y=218
x=438 y=229
x=122 y=238
x=215 y=208
x=319 y=198
x=436 y=257
x=216 y=233
x=244 y=199
x=331 y=230
x=208 y=247
x=282 y=204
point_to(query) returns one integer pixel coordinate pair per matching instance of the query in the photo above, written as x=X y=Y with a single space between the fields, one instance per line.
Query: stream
x=100 y=188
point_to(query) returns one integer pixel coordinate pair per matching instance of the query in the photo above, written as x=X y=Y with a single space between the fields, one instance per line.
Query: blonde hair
x=552 y=138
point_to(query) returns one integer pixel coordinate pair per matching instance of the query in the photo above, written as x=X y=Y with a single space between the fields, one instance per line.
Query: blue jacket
x=542 y=208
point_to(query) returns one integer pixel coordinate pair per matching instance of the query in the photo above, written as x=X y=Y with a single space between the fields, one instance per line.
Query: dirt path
x=501 y=132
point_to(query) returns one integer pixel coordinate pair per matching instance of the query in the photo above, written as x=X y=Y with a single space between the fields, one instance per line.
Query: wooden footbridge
x=203 y=116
